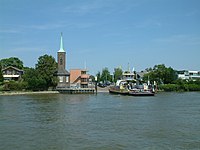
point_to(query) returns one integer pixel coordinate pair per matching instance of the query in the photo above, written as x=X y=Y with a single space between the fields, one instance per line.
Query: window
x=83 y=72
x=84 y=86
x=61 y=61
x=67 y=79
x=84 y=80
x=60 y=79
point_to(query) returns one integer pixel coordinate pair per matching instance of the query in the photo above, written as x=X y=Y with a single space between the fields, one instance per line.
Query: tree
x=15 y=85
x=92 y=78
x=1 y=75
x=34 y=80
x=98 y=76
x=12 y=61
x=117 y=74
x=161 y=74
x=170 y=75
x=47 y=67
x=105 y=76
x=149 y=69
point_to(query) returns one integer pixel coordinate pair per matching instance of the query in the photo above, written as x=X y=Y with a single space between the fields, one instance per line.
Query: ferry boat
x=129 y=85
x=127 y=88
x=119 y=88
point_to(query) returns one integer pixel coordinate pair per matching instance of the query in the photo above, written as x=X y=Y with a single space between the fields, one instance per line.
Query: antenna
x=133 y=69
x=128 y=67
x=85 y=65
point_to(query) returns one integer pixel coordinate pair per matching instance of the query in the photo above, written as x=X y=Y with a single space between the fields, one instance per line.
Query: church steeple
x=61 y=44
x=62 y=73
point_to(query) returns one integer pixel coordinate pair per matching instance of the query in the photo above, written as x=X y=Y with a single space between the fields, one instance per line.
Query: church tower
x=63 y=74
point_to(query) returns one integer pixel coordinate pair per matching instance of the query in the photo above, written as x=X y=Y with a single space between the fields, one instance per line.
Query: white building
x=188 y=75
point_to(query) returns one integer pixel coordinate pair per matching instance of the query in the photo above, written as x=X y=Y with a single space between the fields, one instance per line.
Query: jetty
x=76 y=90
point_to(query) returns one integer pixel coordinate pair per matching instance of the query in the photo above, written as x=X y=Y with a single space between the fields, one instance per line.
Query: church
x=75 y=80
x=62 y=74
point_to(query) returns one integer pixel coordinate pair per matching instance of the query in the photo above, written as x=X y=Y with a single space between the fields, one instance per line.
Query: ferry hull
x=131 y=93
x=118 y=92
x=141 y=93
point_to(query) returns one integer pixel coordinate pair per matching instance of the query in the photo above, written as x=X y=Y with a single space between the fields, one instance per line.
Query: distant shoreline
x=27 y=93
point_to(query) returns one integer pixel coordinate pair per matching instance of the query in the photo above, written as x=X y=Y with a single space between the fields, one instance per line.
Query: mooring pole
x=96 y=84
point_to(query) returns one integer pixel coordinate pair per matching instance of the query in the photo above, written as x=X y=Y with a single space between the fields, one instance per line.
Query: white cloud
x=99 y=6
x=9 y=31
x=46 y=26
x=179 y=39
x=82 y=9
x=192 y=13
x=148 y=23
x=49 y=26
x=26 y=49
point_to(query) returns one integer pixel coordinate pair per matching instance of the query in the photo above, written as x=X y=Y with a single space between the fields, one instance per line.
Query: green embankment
x=180 y=87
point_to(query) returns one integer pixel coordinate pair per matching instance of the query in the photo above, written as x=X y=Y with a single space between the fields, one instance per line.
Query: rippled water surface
x=100 y=122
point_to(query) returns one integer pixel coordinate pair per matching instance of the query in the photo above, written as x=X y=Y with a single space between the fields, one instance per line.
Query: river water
x=100 y=122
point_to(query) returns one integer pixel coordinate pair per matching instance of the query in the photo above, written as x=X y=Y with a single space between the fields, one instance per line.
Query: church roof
x=63 y=72
x=61 y=44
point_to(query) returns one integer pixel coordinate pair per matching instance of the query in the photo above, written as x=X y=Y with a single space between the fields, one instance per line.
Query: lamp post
x=96 y=84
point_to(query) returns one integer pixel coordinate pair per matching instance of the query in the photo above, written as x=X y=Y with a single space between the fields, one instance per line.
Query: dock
x=76 y=90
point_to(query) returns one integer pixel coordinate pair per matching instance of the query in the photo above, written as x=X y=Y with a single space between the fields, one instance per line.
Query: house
x=188 y=75
x=12 y=73
x=140 y=75
x=79 y=78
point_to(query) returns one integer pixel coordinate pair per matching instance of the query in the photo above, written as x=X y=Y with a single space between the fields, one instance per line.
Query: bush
x=194 y=87
x=169 y=87
x=1 y=88
x=180 y=87
x=14 y=86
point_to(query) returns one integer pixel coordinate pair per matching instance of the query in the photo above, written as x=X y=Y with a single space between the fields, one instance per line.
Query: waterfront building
x=62 y=74
x=75 y=82
x=12 y=73
x=79 y=78
x=188 y=75
x=140 y=75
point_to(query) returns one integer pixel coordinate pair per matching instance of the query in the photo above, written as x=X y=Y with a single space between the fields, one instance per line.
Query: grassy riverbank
x=180 y=87
x=28 y=92
x=99 y=90
x=187 y=87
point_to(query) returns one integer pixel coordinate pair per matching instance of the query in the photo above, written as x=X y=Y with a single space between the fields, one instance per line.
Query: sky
x=103 y=33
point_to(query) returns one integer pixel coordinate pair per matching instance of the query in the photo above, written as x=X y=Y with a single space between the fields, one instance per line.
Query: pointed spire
x=61 y=44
